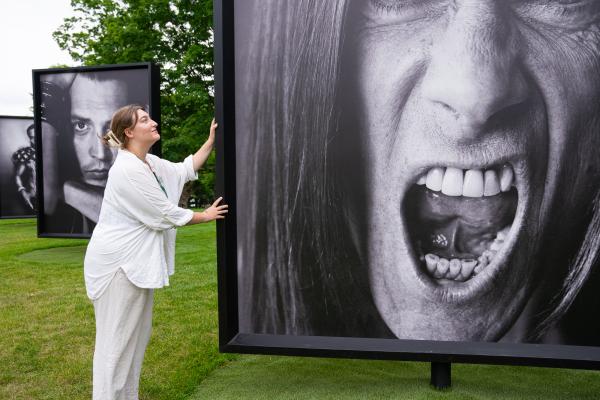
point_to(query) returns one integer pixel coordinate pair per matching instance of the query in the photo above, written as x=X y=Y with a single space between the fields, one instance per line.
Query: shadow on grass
x=56 y=255
x=266 y=377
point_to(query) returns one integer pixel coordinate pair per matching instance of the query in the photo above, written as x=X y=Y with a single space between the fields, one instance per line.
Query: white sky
x=26 y=43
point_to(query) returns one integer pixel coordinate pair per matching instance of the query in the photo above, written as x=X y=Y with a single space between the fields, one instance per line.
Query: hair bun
x=111 y=139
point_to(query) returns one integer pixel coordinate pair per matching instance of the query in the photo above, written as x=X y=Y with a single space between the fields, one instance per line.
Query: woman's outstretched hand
x=213 y=130
x=215 y=211
x=203 y=152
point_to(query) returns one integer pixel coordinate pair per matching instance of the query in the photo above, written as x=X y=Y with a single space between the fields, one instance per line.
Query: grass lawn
x=47 y=337
x=47 y=322
x=268 y=377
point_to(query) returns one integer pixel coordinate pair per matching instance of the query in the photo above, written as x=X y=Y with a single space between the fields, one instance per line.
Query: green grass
x=268 y=377
x=47 y=322
x=47 y=339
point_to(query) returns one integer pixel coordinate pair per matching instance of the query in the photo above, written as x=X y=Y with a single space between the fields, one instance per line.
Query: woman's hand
x=202 y=154
x=215 y=211
x=211 y=134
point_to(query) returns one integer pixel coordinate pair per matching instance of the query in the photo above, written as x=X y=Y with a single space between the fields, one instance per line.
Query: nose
x=98 y=150
x=473 y=71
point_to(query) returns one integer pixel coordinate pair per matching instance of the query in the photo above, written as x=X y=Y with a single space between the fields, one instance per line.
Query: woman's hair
x=124 y=118
x=302 y=263
x=301 y=271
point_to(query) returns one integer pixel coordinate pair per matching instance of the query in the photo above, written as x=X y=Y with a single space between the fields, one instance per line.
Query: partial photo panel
x=18 y=194
x=73 y=110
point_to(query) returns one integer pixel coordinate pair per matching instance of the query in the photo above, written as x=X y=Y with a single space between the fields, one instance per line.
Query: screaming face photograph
x=423 y=170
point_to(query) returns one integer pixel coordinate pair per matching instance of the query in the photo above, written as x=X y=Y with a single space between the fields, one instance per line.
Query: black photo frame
x=137 y=83
x=10 y=204
x=230 y=337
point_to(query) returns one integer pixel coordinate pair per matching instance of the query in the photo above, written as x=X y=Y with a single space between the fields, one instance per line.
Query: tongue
x=461 y=227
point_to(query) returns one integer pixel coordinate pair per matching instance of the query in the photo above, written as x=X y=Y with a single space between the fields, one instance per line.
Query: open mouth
x=458 y=220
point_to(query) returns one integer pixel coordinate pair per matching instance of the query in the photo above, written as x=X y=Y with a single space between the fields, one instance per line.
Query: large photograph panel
x=17 y=167
x=75 y=108
x=418 y=170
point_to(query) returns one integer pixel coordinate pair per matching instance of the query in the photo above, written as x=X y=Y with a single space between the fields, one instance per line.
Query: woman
x=132 y=249
x=352 y=101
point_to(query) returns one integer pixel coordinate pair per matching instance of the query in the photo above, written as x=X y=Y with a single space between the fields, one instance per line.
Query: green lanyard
x=159 y=183
x=156 y=176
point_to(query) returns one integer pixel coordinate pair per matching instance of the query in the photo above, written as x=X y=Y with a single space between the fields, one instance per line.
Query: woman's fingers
x=217 y=211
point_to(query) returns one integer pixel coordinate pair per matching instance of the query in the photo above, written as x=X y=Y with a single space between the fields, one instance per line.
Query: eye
x=570 y=2
x=406 y=10
x=570 y=14
x=389 y=5
x=80 y=127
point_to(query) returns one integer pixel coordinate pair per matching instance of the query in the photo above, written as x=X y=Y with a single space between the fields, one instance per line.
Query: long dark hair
x=300 y=265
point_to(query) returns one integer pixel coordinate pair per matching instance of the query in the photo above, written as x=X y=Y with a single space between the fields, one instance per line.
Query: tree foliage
x=174 y=34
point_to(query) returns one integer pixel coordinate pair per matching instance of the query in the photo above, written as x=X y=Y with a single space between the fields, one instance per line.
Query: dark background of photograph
x=13 y=136
x=52 y=104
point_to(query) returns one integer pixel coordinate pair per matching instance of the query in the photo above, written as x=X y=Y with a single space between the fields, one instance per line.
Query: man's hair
x=31 y=129
x=131 y=79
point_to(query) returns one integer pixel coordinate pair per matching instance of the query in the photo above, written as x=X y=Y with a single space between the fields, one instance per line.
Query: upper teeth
x=470 y=183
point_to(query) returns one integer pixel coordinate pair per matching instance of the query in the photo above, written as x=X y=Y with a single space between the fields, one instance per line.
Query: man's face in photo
x=31 y=136
x=92 y=106
x=479 y=121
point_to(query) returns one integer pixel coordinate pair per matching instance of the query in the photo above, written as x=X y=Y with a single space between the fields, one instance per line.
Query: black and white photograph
x=74 y=107
x=17 y=167
x=418 y=170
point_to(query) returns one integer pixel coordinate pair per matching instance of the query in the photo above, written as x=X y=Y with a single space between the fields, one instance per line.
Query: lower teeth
x=461 y=270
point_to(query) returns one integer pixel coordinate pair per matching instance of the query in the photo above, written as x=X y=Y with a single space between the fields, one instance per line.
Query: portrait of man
x=420 y=170
x=77 y=108
x=17 y=167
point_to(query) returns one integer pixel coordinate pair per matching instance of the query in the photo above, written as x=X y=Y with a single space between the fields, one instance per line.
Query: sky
x=26 y=43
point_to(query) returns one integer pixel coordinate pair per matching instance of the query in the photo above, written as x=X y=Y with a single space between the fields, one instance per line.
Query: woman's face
x=145 y=130
x=479 y=123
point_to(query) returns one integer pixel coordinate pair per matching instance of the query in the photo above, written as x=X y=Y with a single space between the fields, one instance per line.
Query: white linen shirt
x=136 y=228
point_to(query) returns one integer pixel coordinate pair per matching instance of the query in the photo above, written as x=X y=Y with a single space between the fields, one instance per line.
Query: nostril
x=446 y=107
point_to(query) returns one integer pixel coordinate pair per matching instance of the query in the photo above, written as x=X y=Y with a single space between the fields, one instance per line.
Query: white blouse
x=136 y=228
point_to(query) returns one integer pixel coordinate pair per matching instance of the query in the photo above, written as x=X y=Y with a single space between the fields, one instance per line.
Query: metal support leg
x=441 y=375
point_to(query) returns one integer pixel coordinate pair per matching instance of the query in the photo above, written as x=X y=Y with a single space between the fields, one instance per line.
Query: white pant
x=123 y=326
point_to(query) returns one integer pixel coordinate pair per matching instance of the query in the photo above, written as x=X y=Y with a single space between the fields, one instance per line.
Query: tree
x=174 y=34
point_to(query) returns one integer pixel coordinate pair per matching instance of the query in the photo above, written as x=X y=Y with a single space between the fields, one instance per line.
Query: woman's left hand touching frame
x=203 y=152
x=216 y=210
